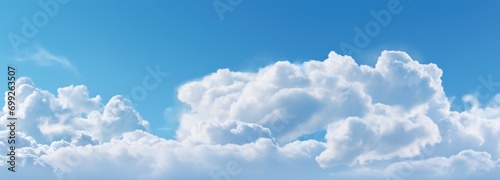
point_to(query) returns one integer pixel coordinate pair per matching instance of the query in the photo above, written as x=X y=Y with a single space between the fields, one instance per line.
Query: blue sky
x=108 y=45
x=112 y=43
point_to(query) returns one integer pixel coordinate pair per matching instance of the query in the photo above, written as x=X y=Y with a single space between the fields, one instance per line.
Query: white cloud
x=246 y=125
x=43 y=57
x=377 y=137
x=72 y=113
x=466 y=162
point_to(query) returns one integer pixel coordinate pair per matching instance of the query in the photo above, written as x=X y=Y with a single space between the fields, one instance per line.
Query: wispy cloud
x=43 y=57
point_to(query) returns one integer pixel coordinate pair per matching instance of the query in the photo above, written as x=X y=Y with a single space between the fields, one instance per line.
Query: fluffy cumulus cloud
x=390 y=121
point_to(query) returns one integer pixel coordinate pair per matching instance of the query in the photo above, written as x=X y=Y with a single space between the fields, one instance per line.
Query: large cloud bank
x=391 y=121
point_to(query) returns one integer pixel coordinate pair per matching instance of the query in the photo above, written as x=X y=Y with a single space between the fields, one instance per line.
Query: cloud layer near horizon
x=389 y=121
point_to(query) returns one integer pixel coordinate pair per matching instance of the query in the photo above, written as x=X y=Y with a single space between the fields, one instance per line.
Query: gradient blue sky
x=277 y=113
x=111 y=43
